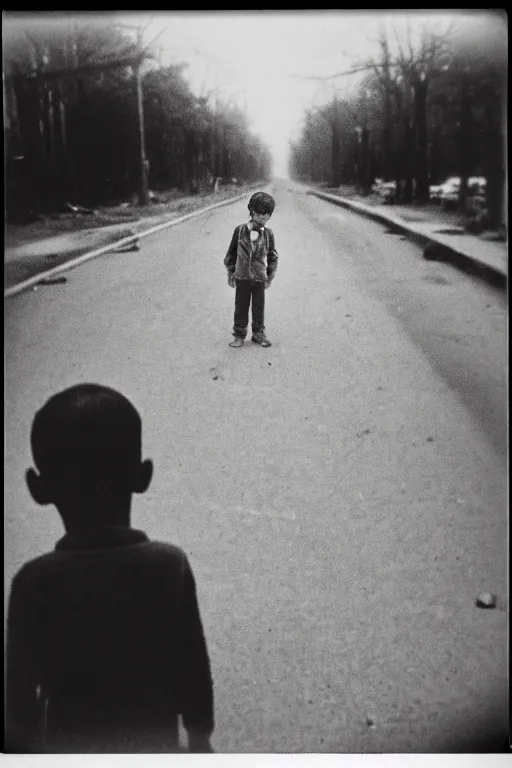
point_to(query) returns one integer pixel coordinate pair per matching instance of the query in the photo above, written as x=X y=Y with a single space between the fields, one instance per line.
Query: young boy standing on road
x=105 y=646
x=251 y=262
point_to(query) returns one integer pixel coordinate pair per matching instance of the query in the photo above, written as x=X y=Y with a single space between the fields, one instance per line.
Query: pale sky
x=249 y=56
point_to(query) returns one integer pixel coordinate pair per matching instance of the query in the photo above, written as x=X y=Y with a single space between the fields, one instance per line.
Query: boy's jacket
x=259 y=264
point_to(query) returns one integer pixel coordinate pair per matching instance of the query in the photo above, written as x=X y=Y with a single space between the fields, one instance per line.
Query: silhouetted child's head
x=261 y=207
x=86 y=444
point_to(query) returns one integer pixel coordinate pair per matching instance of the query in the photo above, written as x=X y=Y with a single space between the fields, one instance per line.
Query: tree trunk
x=27 y=97
x=420 y=103
x=408 y=189
x=436 y=156
x=142 y=186
x=365 y=163
x=335 y=180
x=387 y=155
x=495 y=166
x=398 y=146
x=387 y=148
x=465 y=142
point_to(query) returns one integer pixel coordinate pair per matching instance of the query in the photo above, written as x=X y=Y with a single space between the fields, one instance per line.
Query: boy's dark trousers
x=245 y=290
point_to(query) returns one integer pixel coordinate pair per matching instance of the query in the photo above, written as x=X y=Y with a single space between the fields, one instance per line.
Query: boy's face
x=260 y=218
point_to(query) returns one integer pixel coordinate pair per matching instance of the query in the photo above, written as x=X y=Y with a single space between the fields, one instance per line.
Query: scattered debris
x=337 y=298
x=216 y=374
x=348 y=315
x=393 y=231
x=495 y=237
x=135 y=246
x=269 y=363
x=451 y=231
x=430 y=439
x=52 y=280
x=51 y=255
x=364 y=432
x=435 y=252
x=370 y=722
x=78 y=209
x=486 y=600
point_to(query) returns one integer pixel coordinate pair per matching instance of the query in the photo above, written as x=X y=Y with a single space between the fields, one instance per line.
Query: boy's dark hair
x=88 y=437
x=261 y=202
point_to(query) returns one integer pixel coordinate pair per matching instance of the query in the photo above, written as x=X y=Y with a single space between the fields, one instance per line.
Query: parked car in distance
x=449 y=193
x=477 y=185
x=387 y=190
x=434 y=192
x=450 y=190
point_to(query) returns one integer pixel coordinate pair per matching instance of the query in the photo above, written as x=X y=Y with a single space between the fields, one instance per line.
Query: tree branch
x=129 y=61
x=354 y=71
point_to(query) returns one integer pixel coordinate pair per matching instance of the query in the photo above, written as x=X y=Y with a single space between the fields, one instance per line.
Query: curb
x=130 y=239
x=443 y=252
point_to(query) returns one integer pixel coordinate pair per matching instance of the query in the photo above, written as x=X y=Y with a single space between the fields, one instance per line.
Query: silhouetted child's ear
x=38 y=487
x=143 y=476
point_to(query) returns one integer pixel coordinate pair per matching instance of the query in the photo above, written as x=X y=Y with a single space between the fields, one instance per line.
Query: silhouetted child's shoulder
x=70 y=549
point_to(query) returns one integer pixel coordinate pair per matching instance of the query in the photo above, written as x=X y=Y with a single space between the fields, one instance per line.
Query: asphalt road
x=341 y=495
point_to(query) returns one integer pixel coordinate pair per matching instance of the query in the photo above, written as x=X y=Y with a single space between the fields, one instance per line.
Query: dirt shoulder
x=123 y=215
x=33 y=248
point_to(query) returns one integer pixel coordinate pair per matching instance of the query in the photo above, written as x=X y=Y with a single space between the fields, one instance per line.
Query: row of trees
x=428 y=106
x=91 y=116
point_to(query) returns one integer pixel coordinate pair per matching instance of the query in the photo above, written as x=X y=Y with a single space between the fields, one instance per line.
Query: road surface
x=341 y=495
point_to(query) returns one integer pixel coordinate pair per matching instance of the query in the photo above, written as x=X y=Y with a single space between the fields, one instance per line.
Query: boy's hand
x=267 y=283
x=231 y=280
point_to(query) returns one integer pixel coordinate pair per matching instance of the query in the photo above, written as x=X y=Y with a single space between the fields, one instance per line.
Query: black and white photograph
x=256 y=385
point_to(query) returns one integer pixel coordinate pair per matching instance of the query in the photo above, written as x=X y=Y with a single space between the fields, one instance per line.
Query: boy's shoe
x=261 y=339
x=237 y=342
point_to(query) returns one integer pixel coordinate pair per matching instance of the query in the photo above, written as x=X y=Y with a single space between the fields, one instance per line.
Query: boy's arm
x=23 y=706
x=230 y=258
x=195 y=681
x=272 y=257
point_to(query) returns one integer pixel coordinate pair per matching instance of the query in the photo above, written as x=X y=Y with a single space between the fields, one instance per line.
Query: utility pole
x=142 y=166
x=143 y=191
x=142 y=185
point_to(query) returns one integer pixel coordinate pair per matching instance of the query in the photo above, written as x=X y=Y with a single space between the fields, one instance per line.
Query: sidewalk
x=478 y=254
